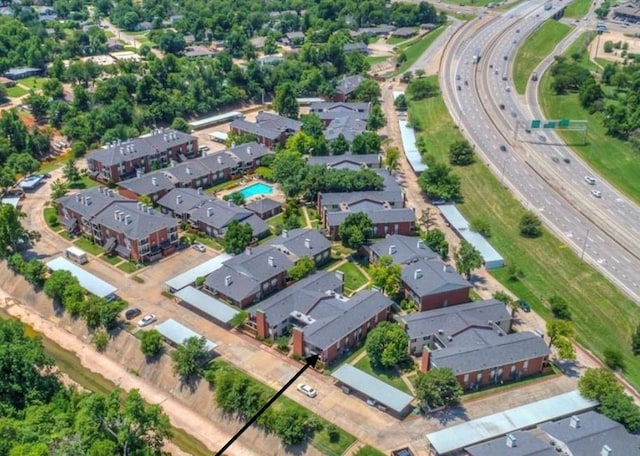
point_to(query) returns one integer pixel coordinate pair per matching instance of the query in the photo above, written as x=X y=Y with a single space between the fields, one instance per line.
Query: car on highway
x=501 y=105
x=542 y=138
x=524 y=306
x=506 y=57
x=555 y=159
x=590 y=180
x=596 y=193
x=507 y=89
x=566 y=160
x=147 y=320
x=459 y=88
x=458 y=77
x=132 y=313
x=307 y=390
x=199 y=247
x=503 y=148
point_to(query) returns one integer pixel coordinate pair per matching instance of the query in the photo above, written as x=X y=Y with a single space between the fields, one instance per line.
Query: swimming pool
x=258 y=188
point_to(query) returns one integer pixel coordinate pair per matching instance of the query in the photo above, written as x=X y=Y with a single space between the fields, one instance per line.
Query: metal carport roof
x=177 y=333
x=385 y=394
x=207 y=304
x=88 y=281
x=203 y=269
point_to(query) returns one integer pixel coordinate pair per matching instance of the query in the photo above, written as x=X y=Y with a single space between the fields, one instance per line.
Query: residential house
x=21 y=73
x=121 y=160
x=328 y=111
x=251 y=276
x=270 y=59
x=349 y=127
x=404 y=32
x=190 y=174
x=293 y=39
x=258 y=42
x=155 y=185
x=517 y=443
x=195 y=51
x=248 y=156
x=302 y=242
x=347 y=161
x=179 y=202
x=359 y=47
x=433 y=284
x=133 y=230
x=380 y=30
x=269 y=129
x=347 y=87
x=323 y=321
x=214 y=216
x=221 y=166
x=473 y=340
x=402 y=249
x=264 y=207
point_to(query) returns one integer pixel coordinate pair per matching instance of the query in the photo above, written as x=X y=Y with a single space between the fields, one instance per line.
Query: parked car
x=146 y=320
x=371 y=402
x=590 y=180
x=47 y=176
x=524 y=306
x=199 y=247
x=132 y=313
x=307 y=390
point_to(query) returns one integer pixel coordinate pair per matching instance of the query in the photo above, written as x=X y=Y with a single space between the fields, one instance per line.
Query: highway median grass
x=619 y=165
x=577 y=9
x=534 y=49
x=603 y=316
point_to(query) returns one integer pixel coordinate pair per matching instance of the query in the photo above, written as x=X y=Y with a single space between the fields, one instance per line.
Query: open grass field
x=389 y=376
x=417 y=47
x=534 y=49
x=375 y=59
x=603 y=316
x=33 y=82
x=16 y=91
x=577 y=9
x=619 y=165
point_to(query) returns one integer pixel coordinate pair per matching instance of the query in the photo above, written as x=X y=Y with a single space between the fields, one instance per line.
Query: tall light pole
x=504 y=165
x=584 y=246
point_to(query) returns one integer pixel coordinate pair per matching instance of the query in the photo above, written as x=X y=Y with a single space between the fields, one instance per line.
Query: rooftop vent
x=574 y=422
x=78 y=197
x=178 y=199
x=606 y=450
x=417 y=274
x=285 y=233
x=228 y=280
x=219 y=160
x=209 y=211
x=441 y=331
x=392 y=249
x=272 y=261
x=340 y=275
x=249 y=150
x=307 y=243
x=511 y=441
x=420 y=245
x=188 y=171
x=154 y=181
x=127 y=219
x=199 y=190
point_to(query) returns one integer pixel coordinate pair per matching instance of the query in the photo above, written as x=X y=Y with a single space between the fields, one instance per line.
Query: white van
x=76 y=255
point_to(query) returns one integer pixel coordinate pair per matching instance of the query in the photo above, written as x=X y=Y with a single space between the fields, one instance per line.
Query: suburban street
x=602 y=230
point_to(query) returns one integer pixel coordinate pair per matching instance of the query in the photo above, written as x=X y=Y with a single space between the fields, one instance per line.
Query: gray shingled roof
x=477 y=349
x=262 y=205
x=99 y=198
x=347 y=126
x=181 y=200
x=269 y=119
x=377 y=216
x=522 y=444
x=149 y=183
x=298 y=296
x=335 y=318
x=218 y=213
x=218 y=161
x=403 y=249
x=434 y=277
x=593 y=432
x=352 y=47
x=186 y=172
x=349 y=84
x=329 y=111
x=394 y=197
x=453 y=320
x=133 y=222
x=335 y=161
x=294 y=241
x=255 y=129
x=249 y=151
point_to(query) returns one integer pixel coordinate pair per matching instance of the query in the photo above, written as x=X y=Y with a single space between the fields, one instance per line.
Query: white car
x=199 y=247
x=307 y=390
x=590 y=180
x=371 y=402
x=596 y=193
x=146 y=320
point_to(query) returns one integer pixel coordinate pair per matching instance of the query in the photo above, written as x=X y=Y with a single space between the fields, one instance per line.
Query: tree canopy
x=560 y=333
x=302 y=268
x=437 y=388
x=530 y=225
x=386 y=275
x=440 y=182
x=237 y=237
x=436 y=241
x=387 y=345
x=461 y=153
x=467 y=258
x=356 y=230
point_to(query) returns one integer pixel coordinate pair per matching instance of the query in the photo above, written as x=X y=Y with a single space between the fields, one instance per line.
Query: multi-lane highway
x=483 y=102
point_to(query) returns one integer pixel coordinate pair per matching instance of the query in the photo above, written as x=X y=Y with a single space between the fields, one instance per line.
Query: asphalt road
x=603 y=230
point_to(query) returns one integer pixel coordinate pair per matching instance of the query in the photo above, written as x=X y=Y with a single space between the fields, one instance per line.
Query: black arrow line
x=309 y=362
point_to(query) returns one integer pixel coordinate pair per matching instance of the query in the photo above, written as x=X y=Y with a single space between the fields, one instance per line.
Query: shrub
x=100 y=339
x=560 y=308
x=614 y=359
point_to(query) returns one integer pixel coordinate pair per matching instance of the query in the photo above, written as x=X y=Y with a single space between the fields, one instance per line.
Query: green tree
x=236 y=198
x=530 y=225
x=436 y=241
x=293 y=425
x=71 y=173
x=467 y=258
x=22 y=163
x=437 y=388
x=481 y=225
x=635 y=341
x=597 y=383
x=392 y=159
x=368 y=91
x=151 y=343
x=503 y=297
x=237 y=237
x=239 y=319
x=289 y=168
x=620 y=407
x=180 y=124
x=614 y=359
x=302 y=268
x=78 y=149
x=401 y=103
x=285 y=102
x=560 y=307
x=439 y=182
x=340 y=145
x=366 y=143
x=386 y=275
x=461 y=153
x=189 y=357
x=387 y=345
x=560 y=333
x=376 y=118
x=12 y=233
x=356 y=230
x=422 y=88
x=312 y=125
x=59 y=188
x=100 y=339
x=291 y=215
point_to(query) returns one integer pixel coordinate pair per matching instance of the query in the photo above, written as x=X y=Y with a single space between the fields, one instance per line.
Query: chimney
x=417 y=274
x=307 y=243
x=165 y=138
x=154 y=181
x=272 y=262
x=420 y=244
x=285 y=233
x=127 y=219
x=228 y=280
x=110 y=191
x=248 y=251
x=574 y=422
x=122 y=151
x=219 y=160
x=87 y=200
x=606 y=450
x=249 y=150
x=188 y=171
x=392 y=249
x=511 y=441
x=140 y=205
x=209 y=211
x=78 y=197
x=116 y=215
x=340 y=276
x=199 y=190
x=178 y=199
x=441 y=331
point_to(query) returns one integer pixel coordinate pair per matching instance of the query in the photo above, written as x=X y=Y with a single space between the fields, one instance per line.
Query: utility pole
x=504 y=165
x=584 y=246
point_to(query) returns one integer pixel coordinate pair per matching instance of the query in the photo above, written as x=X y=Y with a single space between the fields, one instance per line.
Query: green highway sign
x=563 y=123
x=535 y=123
x=550 y=124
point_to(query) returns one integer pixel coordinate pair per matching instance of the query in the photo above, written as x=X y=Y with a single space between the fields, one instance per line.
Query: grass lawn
x=393 y=40
x=375 y=59
x=353 y=278
x=619 y=165
x=389 y=376
x=603 y=316
x=474 y=3
x=577 y=9
x=432 y=115
x=370 y=451
x=88 y=246
x=208 y=241
x=416 y=49
x=128 y=267
x=49 y=212
x=33 y=82
x=534 y=49
x=16 y=91
x=57 y=162
x=85 y=182
x=224 y=186
x=112 y=260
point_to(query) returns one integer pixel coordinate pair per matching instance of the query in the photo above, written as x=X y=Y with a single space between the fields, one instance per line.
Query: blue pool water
x=256 y=189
